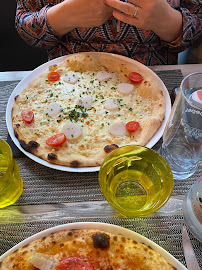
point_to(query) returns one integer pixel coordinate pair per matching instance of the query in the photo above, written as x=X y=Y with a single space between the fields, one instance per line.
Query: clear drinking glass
x=192 y=209
x=182 y=138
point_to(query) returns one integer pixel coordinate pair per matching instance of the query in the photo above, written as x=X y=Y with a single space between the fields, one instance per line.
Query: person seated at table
x=151 y=32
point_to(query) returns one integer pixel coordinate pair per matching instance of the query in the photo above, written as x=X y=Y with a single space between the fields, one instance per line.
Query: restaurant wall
x=15 y=53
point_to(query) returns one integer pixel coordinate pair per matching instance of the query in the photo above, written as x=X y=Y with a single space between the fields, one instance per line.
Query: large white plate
x=24 y=82
x=104 y=227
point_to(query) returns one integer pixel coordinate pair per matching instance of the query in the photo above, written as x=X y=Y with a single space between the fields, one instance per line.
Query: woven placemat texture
x=164 y=231
x=45 y=185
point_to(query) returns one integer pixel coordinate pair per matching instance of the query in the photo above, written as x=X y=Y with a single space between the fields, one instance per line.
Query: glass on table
x=11 y=185
x=192 y=209
x=135 y=180
x=182 y=138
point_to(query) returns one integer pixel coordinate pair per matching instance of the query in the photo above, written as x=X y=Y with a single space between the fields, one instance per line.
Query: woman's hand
x=155 y=15
x=70 y=14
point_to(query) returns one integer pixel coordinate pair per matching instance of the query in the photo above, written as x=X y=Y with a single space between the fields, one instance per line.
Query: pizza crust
x=145 y=105
x=104 y=250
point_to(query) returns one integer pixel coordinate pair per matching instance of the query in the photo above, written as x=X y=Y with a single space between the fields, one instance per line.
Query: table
x=53 y=197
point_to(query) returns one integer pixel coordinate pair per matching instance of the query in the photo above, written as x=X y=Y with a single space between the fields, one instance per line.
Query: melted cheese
x=84 y=103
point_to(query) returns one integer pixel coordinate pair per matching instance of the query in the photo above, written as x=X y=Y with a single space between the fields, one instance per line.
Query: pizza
x=79 y=110
x=87 y=249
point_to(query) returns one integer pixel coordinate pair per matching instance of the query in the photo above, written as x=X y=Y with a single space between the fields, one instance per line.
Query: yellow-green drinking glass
x=11 y=185
x=135 y=180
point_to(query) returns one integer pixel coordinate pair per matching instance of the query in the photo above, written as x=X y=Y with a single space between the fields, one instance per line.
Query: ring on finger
x=135 y=10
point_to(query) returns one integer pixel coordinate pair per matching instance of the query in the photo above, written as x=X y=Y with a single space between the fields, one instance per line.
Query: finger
x=124 y=7
x=137 y=22
x=126 y=18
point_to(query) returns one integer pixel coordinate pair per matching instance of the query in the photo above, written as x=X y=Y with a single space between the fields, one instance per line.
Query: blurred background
x=15 y=54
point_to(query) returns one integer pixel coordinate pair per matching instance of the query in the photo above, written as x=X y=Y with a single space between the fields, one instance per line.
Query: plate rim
x=107 y=227
x=38 y=70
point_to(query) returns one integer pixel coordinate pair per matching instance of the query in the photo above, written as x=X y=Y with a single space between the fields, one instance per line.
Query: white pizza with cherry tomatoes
x=77 y=111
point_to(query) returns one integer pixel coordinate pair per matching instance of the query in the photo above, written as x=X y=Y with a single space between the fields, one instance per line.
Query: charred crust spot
x=70 y=233
x=24 y=145
x=115 y=238
x=101 y=240
x=61 y=245
x=16 y=97
x=43 y=238
x=74 y=164
x=110 y=147
x=53 y=242
x=16 y=134
x=17 y=125
x=33 y=144
x=134 y=242
x=24 y=252
x=51 y=156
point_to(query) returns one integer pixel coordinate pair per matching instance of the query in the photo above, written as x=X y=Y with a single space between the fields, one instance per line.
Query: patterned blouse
x=141 y=45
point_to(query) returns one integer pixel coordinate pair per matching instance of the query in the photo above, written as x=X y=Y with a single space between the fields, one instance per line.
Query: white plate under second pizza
x=103 y=227
x=36 y=72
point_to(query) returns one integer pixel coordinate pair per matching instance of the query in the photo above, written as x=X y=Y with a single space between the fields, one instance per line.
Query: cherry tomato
x=53 y=76
x=56 y=139
x=27 y=116
x=135 y=77
x=74 y=263
x=132 y=126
